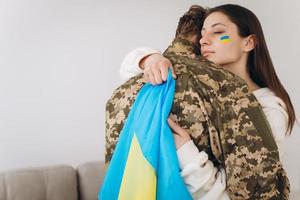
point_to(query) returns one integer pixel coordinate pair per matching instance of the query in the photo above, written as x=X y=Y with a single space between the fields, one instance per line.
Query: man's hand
x=155 y=68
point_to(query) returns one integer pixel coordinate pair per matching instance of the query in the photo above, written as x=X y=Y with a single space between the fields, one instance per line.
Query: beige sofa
x=60 y=182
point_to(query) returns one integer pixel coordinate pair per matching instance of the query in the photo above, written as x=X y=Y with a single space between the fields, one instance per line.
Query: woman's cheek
x=222 y=54
x=223 y=57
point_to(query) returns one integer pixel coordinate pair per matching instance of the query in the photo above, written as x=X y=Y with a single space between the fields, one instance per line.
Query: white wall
x=59 y=64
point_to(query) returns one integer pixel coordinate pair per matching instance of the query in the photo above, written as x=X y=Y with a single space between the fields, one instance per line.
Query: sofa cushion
x=44 y=183
x=90 y=177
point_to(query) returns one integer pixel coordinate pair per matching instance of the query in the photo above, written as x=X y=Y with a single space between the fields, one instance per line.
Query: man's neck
x=183 y=47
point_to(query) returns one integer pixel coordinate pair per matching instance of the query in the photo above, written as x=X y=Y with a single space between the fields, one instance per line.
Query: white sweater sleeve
x=202 y=179
x=130 y=65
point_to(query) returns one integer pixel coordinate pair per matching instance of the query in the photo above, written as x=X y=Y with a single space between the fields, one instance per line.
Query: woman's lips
x=206 y=53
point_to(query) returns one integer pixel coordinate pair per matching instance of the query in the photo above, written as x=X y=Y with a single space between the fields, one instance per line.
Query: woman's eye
x=218 y=32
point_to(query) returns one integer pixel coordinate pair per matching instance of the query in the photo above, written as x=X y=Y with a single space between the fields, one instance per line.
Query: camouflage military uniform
x=223 y=118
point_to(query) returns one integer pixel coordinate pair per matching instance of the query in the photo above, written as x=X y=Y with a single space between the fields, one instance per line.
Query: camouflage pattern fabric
x=223 y=118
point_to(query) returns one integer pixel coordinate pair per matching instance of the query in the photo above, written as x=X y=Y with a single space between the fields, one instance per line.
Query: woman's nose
x=204 y=40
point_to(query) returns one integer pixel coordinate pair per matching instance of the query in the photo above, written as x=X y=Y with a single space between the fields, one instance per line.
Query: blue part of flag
x=148 y=120
x=224 y=37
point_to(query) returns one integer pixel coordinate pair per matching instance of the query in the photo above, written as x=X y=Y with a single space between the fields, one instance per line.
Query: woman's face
x=220 y=41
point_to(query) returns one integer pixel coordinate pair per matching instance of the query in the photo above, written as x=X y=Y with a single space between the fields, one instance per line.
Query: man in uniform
x=222 y=116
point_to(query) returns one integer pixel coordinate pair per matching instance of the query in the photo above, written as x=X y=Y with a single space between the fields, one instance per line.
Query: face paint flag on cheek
x=225 y=39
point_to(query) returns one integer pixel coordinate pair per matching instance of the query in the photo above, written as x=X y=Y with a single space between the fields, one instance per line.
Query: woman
x=231 y=37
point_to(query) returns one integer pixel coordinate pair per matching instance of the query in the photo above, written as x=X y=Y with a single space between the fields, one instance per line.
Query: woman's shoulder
x=273 y=106
x=267 y=98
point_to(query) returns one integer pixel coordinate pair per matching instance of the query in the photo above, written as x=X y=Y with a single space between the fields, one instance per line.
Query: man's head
x=190 y=24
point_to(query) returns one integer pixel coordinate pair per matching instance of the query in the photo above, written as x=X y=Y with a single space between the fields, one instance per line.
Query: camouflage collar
x=183 y=47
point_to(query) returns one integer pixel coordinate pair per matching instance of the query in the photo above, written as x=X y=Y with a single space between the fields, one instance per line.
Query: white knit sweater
x=203 y=180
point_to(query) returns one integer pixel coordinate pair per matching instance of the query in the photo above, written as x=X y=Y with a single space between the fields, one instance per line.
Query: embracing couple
x=230 y=112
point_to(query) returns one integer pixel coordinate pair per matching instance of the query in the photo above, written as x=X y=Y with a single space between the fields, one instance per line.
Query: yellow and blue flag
x=144 y=165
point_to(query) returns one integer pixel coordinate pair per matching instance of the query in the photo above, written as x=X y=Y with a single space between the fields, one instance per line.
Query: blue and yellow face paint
x=225 y=39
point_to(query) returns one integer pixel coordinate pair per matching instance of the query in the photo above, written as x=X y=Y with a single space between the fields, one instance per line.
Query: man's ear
x=249 y=43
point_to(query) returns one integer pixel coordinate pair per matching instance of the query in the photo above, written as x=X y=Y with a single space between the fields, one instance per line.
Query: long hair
x=259 y=63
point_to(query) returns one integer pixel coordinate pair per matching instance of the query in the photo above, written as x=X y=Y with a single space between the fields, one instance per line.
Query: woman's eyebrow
x=216 y=24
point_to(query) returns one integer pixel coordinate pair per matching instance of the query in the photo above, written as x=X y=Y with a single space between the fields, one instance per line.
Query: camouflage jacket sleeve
x=117 y=110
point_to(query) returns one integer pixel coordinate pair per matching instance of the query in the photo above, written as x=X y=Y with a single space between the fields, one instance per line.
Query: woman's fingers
x=173 y=72
x=146 y=77
x=175 y=127
x=157 y=76
x=180 y=135
x=156 y=68
x=164 y=69
x=151 y=77
x=164 y=72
